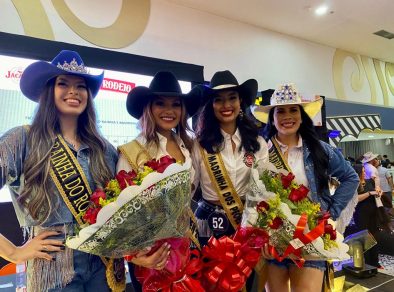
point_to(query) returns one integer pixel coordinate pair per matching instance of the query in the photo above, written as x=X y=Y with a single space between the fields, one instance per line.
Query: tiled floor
x=388 y=263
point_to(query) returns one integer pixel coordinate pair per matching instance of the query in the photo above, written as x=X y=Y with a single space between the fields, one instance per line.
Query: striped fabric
x=352 y=125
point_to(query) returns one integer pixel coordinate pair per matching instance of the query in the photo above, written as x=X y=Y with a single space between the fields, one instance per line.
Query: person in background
x=294 y=142
x=369 y=216
x=42 y=162
x=385 y=161
x=371 y=162
x=162 y=111
x=386 y=185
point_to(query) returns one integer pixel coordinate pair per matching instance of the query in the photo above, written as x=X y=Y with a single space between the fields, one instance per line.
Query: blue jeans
x=89 y=275
x=286 y=263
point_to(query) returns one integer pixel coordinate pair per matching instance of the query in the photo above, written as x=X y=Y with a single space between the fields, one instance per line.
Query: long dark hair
x=309 y=136
x=209 y=134
x=37 y=195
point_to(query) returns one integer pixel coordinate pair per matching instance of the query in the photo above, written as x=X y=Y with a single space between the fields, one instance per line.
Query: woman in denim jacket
x=64 y=91
x=289 y=129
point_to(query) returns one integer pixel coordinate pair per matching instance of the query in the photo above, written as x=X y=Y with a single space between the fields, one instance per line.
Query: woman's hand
x=265 y=253
x=38 y=247
x=157 y=260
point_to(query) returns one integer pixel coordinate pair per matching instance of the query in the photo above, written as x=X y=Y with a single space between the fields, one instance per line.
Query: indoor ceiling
x=348 y=25
x=367 y=134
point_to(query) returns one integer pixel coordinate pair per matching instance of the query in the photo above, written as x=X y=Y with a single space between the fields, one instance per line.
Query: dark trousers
x=203 y=211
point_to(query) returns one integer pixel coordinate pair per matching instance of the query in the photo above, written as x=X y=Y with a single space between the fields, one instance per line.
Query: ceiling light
x=321 y=10
x=371 y=136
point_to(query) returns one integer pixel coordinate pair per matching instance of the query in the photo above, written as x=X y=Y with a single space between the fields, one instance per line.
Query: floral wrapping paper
x=282 y=236
x=140 y=216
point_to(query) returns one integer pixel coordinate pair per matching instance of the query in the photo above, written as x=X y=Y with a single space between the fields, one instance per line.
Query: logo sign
x=14 y=74
x=117 y=85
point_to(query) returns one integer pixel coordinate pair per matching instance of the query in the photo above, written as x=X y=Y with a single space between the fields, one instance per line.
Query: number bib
x=218 y=222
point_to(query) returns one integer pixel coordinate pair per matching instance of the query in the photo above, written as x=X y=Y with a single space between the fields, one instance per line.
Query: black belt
x=208 y=206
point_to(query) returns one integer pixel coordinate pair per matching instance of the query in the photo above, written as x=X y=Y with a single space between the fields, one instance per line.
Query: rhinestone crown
x=73 y=66
x=286 y=93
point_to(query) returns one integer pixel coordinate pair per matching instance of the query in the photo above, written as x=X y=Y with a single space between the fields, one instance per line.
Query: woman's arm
x=363 y=196
x=38 y=247
x=348 y=178
x=12 y=155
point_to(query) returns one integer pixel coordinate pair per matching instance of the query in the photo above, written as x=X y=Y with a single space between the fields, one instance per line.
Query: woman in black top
x=368 y=216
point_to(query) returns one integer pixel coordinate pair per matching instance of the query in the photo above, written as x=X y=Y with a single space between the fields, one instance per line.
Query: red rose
x=164 y=162
x=125 y=178
x=323 y=215
x=152 y=164
x=329 y=229
x=95 y=197
x=262 y=207
x=303 y=190
x=333 y=235
x=91 y=215
x=298 y=194
x=276 y=223
x=287 y=179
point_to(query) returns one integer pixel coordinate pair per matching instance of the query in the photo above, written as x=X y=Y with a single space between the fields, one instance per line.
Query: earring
x=241 y=114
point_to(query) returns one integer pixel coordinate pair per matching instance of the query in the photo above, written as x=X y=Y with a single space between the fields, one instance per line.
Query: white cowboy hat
x=369 y=156
x=287 y=94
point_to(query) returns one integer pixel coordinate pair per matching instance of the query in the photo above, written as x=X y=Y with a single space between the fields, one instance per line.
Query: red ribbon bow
x=303 y=238
x=229 y=262
x=181 y=272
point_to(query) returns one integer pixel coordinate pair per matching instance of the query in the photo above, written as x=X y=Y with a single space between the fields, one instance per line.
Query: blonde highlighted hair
x=148 y=127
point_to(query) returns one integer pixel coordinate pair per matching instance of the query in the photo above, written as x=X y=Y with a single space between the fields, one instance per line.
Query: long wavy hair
x=309 y=136
x=37 y=194
x=358 y=167
x=148 y=127
x=210 y=137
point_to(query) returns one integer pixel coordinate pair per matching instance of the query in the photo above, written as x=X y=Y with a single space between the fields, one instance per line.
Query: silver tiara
x=73 y=67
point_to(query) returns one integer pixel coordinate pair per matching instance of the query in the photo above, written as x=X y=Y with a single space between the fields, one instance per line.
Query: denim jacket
x=13 y=152
x=342 y=171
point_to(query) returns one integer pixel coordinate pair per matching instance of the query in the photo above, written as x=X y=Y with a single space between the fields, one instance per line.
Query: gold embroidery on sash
x=276 y=156
x=228 y=197
x=71 y=182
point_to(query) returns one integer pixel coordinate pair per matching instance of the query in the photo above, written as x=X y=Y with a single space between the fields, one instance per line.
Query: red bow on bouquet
x=181 y=273
x=228 y=262
x=299 y=240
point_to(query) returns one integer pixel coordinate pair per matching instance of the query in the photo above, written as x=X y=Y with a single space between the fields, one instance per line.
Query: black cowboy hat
x=163 y=84
x=36 y=75
x=225 y=80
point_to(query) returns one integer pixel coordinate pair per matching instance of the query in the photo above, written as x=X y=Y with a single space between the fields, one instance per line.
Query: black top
x=365 y=215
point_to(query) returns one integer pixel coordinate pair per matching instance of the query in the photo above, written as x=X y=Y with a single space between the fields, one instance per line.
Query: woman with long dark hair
x=293 y=141
x=368 y=216
x=226 y=148
x=51 y=167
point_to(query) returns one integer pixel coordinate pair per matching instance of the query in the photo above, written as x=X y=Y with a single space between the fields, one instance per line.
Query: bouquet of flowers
x=137 y=209
x=297 y=227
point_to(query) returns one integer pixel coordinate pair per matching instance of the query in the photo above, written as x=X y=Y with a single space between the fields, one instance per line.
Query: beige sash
x=228 y=197
x=136 y=156
x=276 y=156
